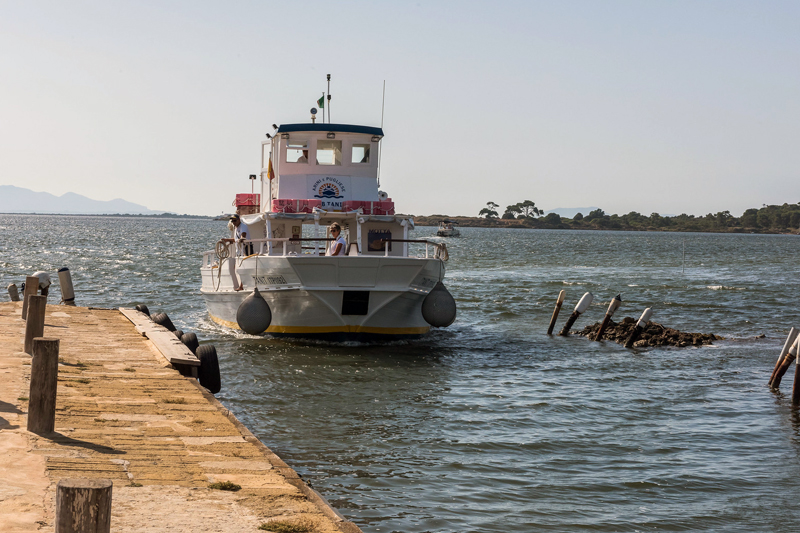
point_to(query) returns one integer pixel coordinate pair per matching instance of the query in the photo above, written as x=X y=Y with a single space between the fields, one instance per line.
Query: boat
x=447 y=228
x=388 y=285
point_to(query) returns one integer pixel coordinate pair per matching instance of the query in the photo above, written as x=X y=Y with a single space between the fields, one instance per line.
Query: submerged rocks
x=653 y=335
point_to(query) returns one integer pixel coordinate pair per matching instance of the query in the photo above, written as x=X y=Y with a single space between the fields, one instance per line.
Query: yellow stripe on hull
x=311 y=330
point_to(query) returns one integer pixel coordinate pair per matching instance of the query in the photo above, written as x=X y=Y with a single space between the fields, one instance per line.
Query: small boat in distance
x=386 y=285
x=447 y=228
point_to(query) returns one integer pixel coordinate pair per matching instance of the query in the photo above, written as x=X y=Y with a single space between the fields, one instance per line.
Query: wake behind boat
x=387 y=286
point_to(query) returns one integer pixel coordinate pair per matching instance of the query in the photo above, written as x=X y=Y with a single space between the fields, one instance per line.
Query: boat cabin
x=316 y=174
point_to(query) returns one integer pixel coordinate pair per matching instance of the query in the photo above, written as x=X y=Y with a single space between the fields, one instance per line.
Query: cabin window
x=297 y=151
x=360 y=153
x=329 y=152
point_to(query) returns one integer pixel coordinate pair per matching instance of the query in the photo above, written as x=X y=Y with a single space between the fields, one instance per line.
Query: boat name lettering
x=270 y=280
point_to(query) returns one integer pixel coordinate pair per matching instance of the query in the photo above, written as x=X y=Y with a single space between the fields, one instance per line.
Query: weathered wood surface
x=167 y=343
x=122 y=414
x=31 y=289
x=34 y=325
x=44 y=385
x=83 y=505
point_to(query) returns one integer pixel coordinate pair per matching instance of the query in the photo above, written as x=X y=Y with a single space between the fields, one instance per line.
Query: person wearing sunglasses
x=338 y=246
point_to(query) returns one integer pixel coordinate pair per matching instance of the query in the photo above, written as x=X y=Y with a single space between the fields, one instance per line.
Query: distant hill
x=19 y=200
x=570 y=212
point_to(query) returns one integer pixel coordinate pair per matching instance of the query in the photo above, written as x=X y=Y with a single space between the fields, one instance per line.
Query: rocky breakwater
x=653 y=334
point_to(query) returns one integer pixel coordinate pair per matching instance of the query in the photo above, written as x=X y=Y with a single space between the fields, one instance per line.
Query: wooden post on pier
x=83 y=505
x=13 y=292
x=44 y=383
x=559 y=302
x=31 y=289
x=67 y=291
x=786 y=347
x=34 y=325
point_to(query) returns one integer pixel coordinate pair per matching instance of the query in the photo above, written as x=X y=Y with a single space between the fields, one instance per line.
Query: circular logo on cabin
x=328 y=190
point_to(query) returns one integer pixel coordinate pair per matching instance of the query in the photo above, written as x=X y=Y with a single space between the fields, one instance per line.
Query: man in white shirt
x=240 y=234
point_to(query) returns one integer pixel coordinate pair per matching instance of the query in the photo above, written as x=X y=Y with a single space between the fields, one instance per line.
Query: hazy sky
x=628 y=105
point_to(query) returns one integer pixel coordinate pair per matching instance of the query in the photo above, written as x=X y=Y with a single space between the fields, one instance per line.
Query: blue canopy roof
x=342 y=128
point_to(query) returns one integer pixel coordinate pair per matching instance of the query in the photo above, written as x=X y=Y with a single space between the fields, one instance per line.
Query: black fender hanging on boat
x=439 y=307
x=254 y=315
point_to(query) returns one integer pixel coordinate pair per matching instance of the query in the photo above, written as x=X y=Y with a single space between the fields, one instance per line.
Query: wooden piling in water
x=786 y=347
x=44 y=385
x=612 y=307
x=796 y=384
x=640 y=325
x=34 y=325
x=583 y=305
x=31 y=289
x=559 y=302
x=83 y=505
x=787 y=361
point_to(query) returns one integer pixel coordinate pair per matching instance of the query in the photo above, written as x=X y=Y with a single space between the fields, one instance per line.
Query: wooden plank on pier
x=167 y=343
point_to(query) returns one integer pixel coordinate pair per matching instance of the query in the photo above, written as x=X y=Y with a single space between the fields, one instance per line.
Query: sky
x=647 y=106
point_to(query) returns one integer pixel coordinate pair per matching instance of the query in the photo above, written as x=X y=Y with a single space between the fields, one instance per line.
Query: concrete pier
x=123 y=413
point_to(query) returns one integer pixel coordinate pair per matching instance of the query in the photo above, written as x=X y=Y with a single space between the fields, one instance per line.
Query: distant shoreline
x=477 y=222
x=568 y=224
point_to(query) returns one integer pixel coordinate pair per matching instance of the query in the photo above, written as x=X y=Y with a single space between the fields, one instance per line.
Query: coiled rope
x=222 y=252
x=441 y=252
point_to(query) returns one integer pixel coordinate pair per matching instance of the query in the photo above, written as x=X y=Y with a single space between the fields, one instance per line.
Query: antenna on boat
x=380 y=148
x=329 y=98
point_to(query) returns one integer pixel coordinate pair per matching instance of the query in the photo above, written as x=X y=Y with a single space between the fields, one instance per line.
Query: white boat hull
x=336 y=298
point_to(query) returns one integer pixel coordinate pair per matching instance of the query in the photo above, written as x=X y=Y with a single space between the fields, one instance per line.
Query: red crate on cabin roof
x=247 y=199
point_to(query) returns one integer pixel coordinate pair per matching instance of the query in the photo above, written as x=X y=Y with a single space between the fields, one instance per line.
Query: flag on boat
x=321 y=102
x=270 y=172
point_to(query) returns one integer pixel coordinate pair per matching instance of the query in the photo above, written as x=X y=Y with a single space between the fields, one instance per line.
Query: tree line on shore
x=767 y=219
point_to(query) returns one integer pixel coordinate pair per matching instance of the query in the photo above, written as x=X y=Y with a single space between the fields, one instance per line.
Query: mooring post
x=83 y=505
x=640 y=325
x=13 y=292
x=613 y=306
x=44 y=384
x=44 y=282
x=583 y=305
x=559 y=302
x=31 y=289
x=67 y=291
x=787 y=361
x=786 y=346
x=34 y=325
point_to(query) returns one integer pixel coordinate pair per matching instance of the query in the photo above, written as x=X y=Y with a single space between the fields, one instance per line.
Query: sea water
x=490 y=425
